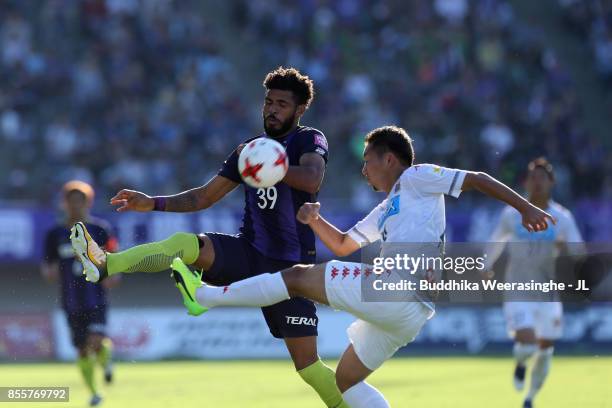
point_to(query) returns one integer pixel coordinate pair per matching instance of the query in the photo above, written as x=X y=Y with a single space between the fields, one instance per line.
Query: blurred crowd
x=592 y=20
x=146 y=94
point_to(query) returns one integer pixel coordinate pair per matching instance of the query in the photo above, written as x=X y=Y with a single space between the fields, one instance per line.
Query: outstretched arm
x=534 y=219
x=196 y=199
x=340 y=243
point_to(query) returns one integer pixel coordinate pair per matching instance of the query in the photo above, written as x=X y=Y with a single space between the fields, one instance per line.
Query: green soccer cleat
x=187 y=281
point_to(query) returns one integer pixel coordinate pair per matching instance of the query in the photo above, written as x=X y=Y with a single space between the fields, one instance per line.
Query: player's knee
x=94 y=342
x=545 y=344
x=296 y=278
x=526 y=336
x=302 y=360
x=345 y=381
x=82 y=351
x=206 y=255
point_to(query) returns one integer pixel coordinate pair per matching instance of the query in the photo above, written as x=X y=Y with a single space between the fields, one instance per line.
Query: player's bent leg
x=306 y=281
x=155 y=256
x=265 y=289
x=303 y=350
x=350 y=377
x=152 y=257
x=350 y=370
x=206 y=255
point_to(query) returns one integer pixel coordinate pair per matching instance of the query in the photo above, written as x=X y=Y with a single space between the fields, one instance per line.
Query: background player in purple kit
x=270 y=237
x=84 y=303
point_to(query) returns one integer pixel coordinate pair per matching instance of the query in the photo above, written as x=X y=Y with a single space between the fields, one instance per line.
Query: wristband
x=159 y=203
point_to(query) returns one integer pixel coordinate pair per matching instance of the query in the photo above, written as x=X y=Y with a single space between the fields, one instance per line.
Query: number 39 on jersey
x=266 y=198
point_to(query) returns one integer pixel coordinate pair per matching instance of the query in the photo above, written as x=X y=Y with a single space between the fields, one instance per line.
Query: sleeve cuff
x=457 y=183
x=358 y=236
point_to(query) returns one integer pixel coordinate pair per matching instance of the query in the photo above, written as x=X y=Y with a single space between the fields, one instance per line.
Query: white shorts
x=381 y=327
x=545 y=318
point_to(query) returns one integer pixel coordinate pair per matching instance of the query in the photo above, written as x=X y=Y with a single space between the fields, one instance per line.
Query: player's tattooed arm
x=308 y=176
x=534 y=219
x=196 y=199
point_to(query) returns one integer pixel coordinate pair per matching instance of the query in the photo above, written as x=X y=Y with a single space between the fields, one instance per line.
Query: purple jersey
x=77 y=293
x=269 y=222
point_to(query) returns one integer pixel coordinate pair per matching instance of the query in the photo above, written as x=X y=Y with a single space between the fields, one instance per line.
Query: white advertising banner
x=241 y=333
x=222 y=333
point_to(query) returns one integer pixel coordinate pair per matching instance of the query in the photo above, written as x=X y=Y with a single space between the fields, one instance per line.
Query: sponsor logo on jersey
x=320 y=140
x=393 y=208
x=301 y=321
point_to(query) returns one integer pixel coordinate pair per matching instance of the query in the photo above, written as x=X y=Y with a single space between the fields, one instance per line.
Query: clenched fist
x=308 y=212
x=535 y=219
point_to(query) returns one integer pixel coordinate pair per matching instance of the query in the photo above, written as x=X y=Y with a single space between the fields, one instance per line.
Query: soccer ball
x=263 y=162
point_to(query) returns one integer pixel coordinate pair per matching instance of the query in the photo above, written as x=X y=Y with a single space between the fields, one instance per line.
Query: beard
x=281 y=130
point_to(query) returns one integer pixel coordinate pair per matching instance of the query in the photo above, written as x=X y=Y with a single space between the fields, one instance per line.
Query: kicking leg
x=152 y=257
x=263 y=290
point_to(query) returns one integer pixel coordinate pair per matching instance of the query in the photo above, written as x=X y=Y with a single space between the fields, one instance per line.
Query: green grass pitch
x=455 y=382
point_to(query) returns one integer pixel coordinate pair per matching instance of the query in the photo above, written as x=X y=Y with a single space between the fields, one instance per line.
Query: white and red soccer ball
x=263 y=162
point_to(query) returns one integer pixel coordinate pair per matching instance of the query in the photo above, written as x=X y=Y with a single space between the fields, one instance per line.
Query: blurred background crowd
x=153 y=94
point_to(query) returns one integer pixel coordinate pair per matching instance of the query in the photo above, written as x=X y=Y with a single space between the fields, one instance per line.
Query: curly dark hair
x=392 y=139
x=290 y=79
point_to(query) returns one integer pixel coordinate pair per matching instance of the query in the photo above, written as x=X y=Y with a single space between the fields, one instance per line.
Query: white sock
x=522 y=352
x=261 y=290
x=363 y=395
x=541 y=366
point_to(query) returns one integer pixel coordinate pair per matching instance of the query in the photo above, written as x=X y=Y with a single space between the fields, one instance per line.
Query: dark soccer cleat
x=527 y=404
x=95 y=400
x=108 y=374
x=519 y=377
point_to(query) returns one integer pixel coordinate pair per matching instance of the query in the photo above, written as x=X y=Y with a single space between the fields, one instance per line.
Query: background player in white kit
x=534 y=325
x=412 y=212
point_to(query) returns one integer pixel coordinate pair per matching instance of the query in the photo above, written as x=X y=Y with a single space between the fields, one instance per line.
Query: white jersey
x=414 y=209
x=413 y=213
x=533 y=255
